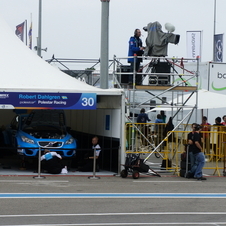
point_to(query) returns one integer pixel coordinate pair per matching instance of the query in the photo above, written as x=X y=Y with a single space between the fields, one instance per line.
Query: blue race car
x=45 y=129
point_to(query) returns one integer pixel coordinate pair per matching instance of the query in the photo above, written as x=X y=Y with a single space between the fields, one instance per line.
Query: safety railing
x=143 y=138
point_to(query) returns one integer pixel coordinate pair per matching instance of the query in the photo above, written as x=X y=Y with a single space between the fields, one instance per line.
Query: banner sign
x=21 y=100
x=218 y=48
x=193 y=44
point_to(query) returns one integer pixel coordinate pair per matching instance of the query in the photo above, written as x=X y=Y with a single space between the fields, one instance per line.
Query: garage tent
x=23 y=71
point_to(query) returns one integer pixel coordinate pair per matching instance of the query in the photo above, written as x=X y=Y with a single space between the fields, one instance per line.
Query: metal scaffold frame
x=177 y=88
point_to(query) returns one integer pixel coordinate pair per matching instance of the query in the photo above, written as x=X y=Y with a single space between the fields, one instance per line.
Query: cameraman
x=135 y=48
x=195 y=148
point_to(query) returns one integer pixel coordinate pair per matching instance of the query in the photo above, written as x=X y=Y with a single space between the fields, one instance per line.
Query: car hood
x=46 y=117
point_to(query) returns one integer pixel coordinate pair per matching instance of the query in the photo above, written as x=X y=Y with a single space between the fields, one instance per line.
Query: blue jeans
x=192 y=158
x=199 y=163
x=192 y=161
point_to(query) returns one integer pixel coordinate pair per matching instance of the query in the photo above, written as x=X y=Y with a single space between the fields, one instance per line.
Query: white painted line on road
x=112 y=214
x=34 y=181
x=158 y=181
x=112 y=195
x=122 y=224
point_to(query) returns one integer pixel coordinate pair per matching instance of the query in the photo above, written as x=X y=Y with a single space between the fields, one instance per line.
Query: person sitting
x=51 y=162
x=89 y=158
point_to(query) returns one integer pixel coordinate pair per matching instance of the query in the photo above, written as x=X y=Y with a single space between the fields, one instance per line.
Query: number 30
x=87 y=101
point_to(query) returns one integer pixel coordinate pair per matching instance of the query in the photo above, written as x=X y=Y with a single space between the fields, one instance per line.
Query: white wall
x=94 y=121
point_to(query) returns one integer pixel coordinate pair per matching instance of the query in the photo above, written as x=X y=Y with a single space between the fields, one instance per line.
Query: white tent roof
x=23 y=71
x=206 y=100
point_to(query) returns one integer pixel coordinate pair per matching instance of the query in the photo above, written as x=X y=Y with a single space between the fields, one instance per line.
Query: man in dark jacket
x=135 y=49
x=143 y=117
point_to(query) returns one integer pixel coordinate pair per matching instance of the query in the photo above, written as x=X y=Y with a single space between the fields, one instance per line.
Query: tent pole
x=121 y=154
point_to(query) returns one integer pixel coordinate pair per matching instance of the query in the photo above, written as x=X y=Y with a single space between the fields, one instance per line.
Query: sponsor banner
x=20 y=31
x=217 y=78
x=21 y=100
x=218 y=48
x=193 y=44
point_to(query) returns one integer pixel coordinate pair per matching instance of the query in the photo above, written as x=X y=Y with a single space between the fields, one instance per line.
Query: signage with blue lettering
x=10 y=100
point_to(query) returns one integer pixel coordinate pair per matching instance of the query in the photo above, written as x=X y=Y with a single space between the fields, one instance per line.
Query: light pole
x=214 y=29
x=104 y=44
x=39 y=40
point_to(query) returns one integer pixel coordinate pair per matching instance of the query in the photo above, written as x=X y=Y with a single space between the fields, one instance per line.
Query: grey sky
x=71 y=28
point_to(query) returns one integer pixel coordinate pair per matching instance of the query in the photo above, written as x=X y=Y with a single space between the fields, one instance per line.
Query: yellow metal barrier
x=143 y=138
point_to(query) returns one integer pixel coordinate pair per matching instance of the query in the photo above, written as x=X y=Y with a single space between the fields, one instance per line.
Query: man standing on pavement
x=194 y=140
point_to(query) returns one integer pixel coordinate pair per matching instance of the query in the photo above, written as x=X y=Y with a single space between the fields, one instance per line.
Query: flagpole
x=30 y=34
x=214 y=29
x=39 y=43
x=26 y=31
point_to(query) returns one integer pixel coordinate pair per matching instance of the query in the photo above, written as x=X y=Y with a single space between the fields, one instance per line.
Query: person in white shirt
x=96 y=146
x=88 y=166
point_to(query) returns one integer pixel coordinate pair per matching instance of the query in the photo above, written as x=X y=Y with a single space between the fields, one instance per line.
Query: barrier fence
x=37 y=159
x=143 y=138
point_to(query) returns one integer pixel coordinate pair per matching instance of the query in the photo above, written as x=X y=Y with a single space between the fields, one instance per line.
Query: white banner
x=194 y=44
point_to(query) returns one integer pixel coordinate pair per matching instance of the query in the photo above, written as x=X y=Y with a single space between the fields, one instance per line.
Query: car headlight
x=70 y=141
x=27 y=140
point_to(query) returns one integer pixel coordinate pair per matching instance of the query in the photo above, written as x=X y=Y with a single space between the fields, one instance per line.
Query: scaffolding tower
x=160 y=75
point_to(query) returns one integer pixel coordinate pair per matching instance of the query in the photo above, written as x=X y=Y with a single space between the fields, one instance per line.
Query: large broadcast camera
x=157 y=40
x=157 y=46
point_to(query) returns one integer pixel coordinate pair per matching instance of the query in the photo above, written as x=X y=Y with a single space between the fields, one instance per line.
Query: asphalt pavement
x=79 y=198
x=112 y=200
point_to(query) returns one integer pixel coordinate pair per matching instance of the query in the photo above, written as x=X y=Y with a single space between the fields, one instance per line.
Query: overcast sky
x=71 y=28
